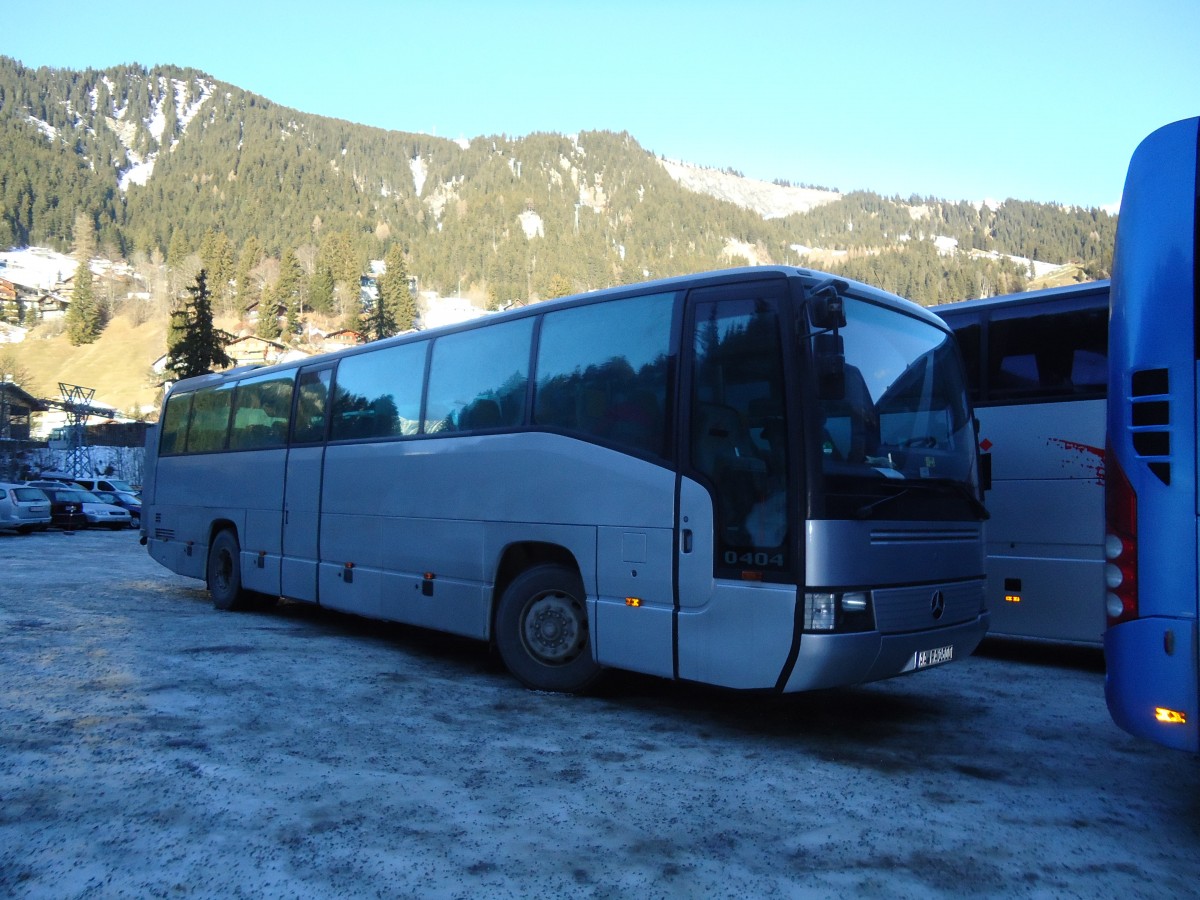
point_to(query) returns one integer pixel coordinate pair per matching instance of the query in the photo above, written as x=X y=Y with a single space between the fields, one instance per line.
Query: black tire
x=225 y=572
x=542 y=630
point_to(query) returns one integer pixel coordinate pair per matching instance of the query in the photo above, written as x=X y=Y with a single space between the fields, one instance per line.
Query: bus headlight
x=820 y=612
x=838 y=611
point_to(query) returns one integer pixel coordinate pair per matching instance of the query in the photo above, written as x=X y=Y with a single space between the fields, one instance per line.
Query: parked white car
x=24 y=508
x=113 y=485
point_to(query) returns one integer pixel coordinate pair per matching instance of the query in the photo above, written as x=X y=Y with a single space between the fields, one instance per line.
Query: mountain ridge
x=175 y=170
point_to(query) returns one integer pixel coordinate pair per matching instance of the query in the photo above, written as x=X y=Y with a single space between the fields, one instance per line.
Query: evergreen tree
x=201 y=345
x=248 y=292
x=268 y=317
x=394 y=293
x=216 y=256
x=379 y=321
x=289 y=292
x=84 y=319
x=320 y=290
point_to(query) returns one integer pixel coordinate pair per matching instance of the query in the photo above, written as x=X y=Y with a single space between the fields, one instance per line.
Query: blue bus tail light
x=1120 y=544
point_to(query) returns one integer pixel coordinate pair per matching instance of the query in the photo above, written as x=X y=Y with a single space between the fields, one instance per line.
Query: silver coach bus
x=1037 y=371
x=758 y=478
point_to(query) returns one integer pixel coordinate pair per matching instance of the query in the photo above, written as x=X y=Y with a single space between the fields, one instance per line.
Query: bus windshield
x=897 y=439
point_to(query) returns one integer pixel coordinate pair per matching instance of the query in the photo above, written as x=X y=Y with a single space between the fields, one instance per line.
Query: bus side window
x=602 y=372
x=311 y=404
x=209 y=426
x=478 y=378
x=174 y=427
x=1053 y=355
x=969 y=337
x=378 y=394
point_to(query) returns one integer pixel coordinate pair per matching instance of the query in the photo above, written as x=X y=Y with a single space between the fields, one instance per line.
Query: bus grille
x=898 y=610
x=925 y=536
x=164 y=534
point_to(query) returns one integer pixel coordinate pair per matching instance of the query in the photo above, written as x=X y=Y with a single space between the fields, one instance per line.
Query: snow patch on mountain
x=771 y=201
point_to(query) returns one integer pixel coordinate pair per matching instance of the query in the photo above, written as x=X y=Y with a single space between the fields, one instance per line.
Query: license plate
x=934 y=657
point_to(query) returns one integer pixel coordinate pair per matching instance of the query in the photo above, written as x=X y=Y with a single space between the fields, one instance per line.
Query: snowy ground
x=151 y=746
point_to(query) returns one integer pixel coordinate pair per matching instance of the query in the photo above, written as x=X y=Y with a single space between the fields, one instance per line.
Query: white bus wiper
x=955 y=488
x=864 y=511
x=944 y=486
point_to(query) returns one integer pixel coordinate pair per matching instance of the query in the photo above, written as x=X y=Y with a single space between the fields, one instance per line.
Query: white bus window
x=378 y=394
x=210 y=419
x=174 y=424
x=602 y=371
x=1048 y=355
x=312 y=402
x=262 y=407
x=478 y=378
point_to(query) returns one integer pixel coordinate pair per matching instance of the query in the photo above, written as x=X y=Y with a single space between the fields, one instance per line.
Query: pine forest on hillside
x=174 y=170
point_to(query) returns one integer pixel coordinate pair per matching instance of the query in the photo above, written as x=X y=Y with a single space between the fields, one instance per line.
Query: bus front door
x=302 y=490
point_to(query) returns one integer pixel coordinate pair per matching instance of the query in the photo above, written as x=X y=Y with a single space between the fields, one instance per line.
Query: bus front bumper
x=831 y=660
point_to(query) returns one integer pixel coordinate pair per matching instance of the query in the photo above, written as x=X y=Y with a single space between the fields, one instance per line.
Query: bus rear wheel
x=542 y=630
x=225 y=572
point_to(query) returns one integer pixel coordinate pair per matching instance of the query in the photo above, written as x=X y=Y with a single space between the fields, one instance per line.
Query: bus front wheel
x=225 y=572
x=542 y=630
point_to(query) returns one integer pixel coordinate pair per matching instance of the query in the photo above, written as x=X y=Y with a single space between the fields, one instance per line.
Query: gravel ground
x=151 y=746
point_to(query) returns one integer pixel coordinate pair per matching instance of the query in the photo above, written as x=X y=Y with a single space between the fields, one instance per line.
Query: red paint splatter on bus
x=1090 y=458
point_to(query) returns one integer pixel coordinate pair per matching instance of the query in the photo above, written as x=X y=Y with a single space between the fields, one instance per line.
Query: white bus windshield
x=897 y=424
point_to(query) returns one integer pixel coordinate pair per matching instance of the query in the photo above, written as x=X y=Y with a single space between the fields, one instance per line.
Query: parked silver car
x=24 y=508
x=126 y=501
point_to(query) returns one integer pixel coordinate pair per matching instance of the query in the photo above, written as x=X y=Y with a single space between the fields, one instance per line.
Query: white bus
x=756 y=478
x=1037 y=366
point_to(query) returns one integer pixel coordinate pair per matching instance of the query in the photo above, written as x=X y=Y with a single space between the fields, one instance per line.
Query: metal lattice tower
x=77 y=402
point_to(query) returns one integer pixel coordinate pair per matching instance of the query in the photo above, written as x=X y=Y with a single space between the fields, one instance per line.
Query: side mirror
x=826 y=309
x=829 y=355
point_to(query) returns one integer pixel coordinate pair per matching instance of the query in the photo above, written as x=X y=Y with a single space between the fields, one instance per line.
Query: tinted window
x=478 y=378
x=210 y=419
x=378 y=394
x=261 y=410
x=969 y=335
x=739 y=438
x=312 y=406
x=602 y=371
x=1048 y=356
x=174 y=424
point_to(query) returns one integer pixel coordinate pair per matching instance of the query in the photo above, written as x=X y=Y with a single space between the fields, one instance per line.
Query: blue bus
x=762 y=478
x=1151 y=486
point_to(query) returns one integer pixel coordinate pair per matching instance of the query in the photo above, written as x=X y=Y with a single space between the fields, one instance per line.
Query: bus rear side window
x=174 y=424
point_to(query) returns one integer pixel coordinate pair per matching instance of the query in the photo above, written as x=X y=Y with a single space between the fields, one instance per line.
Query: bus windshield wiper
x=943 y=486
x=956 y=488
x=866 y=509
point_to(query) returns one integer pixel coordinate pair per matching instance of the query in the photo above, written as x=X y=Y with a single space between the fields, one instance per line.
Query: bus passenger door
x=738 y=520
x=302 y=489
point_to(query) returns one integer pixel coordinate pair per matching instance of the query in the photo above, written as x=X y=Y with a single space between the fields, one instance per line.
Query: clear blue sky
x=1034 y=99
